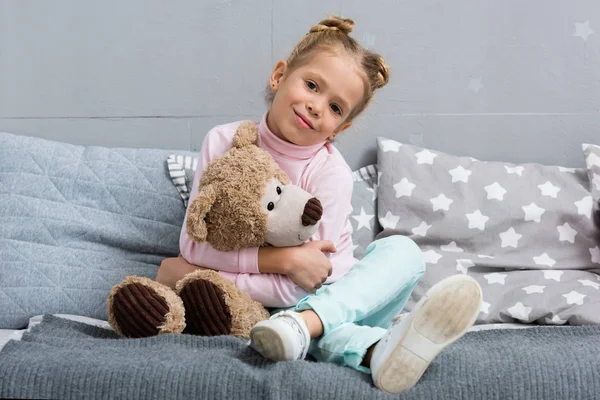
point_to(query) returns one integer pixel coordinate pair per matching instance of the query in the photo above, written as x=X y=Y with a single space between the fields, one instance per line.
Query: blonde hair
x=332 y=34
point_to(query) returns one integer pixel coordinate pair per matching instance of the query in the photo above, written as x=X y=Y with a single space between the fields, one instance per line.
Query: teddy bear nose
x=313 y=211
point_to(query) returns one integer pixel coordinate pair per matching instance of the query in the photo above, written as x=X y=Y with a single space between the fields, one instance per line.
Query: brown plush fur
x=175 y=321
x=245 y=312
x=227 y=213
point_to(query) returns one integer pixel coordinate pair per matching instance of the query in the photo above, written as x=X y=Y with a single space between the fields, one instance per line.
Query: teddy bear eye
x=278 y=190
x=270 y=206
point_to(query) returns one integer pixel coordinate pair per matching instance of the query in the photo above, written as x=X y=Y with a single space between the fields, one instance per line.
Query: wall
x=512 y=80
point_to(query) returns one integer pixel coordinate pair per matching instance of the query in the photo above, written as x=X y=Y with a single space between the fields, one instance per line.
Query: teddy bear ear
x=197 y=212
x=246 y=135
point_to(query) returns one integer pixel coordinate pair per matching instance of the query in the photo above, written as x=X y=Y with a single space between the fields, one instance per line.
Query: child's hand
x=308 y=266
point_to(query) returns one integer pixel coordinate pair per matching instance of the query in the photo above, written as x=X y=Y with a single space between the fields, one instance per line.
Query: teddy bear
x=244 y=200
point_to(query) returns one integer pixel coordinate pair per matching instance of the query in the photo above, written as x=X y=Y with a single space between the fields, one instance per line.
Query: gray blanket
x=62 y=359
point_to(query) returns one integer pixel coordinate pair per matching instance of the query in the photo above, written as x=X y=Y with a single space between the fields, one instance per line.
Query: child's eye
x=336 y=109
x=311 y=86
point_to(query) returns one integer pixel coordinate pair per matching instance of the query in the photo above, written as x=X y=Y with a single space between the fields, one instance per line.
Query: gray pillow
x=365 y=225
x=592 y=160
x=75 y=221
x=364 y=209
x=523 y=231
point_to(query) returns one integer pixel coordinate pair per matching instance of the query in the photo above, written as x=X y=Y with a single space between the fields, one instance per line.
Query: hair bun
x=384 y=72
x=332 y=23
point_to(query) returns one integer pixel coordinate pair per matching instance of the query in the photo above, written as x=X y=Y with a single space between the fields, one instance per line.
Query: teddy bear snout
x=313 y=211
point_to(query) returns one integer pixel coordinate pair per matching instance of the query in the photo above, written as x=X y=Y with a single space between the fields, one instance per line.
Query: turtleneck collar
x=270 y=140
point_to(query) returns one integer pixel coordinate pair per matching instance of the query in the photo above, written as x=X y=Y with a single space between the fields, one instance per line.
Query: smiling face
x=312 y=102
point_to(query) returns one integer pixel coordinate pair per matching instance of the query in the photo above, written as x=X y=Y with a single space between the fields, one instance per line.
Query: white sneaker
x=441 y=317
x=283 y=337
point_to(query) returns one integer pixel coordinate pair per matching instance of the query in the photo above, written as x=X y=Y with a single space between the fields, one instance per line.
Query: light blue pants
x=357 y=310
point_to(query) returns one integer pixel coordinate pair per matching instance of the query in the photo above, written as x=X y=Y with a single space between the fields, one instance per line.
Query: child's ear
x=278 y=74
x=197 y=212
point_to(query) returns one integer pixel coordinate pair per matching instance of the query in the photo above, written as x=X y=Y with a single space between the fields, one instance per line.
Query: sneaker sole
x=267 y=342
x=449 y=310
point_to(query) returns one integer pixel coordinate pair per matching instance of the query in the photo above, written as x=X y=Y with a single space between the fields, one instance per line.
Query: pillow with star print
x=365 y=226
x=182 y=168
x=592 y=160
x=523 y=231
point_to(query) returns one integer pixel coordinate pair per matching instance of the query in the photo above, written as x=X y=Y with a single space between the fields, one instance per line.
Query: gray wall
x=500 y=80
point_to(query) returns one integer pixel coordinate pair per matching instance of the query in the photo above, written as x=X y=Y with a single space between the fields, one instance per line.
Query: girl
x=313 y=96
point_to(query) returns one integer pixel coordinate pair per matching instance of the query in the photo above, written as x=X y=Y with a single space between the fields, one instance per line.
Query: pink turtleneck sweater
x=321 y=171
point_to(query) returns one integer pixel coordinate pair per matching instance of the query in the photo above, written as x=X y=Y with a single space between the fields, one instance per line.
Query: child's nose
x=313 y=211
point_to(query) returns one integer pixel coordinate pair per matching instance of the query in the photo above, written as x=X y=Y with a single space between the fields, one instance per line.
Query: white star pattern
x=510 y=238
x=425 y=157
x=520 y=311
x=566 y=233
x=587 y=282
x=534 y=289
x=441 y=202
x=485 y=307
x=390 y=145
x=495 y=278
x=595 y=253
x=583 y=30
x=593 y=160
x=463 y=265
x=565 y=169
x=477 y=220
x=574 y=297
x=354 y=247
x=596 y=181
x=548 y=189
x=554 y=275
x=533 y=212
x=584 y=206
x=451 y=247
x=421 y=230
x=389 y=221
x=515 y=170
x=544 y=259
x=585 y=146
x=404 y=188
x=555 y=321
x=495 y=191
x=363 y=219
x=460 y=174
x=475 y=85
x=431 y=256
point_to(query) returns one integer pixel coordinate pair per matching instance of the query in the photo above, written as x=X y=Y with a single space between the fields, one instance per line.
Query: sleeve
x=271 y=290
x=216 y=143
x=332 y=185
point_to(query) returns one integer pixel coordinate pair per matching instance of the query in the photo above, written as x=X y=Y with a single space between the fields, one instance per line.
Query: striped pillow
x=181 y=171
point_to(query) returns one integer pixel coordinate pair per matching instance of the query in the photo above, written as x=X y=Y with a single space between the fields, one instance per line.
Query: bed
x=73 y=226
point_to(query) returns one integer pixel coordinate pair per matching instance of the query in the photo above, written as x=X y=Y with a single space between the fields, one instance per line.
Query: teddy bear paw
x=139 y=307
x=206 y=310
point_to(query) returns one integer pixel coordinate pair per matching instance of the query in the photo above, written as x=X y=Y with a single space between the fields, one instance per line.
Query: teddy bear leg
x=215 y=306
x=140 y=307
x=206 y=309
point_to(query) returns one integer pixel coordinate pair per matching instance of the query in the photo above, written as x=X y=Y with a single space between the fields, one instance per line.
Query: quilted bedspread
x=76 y=220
